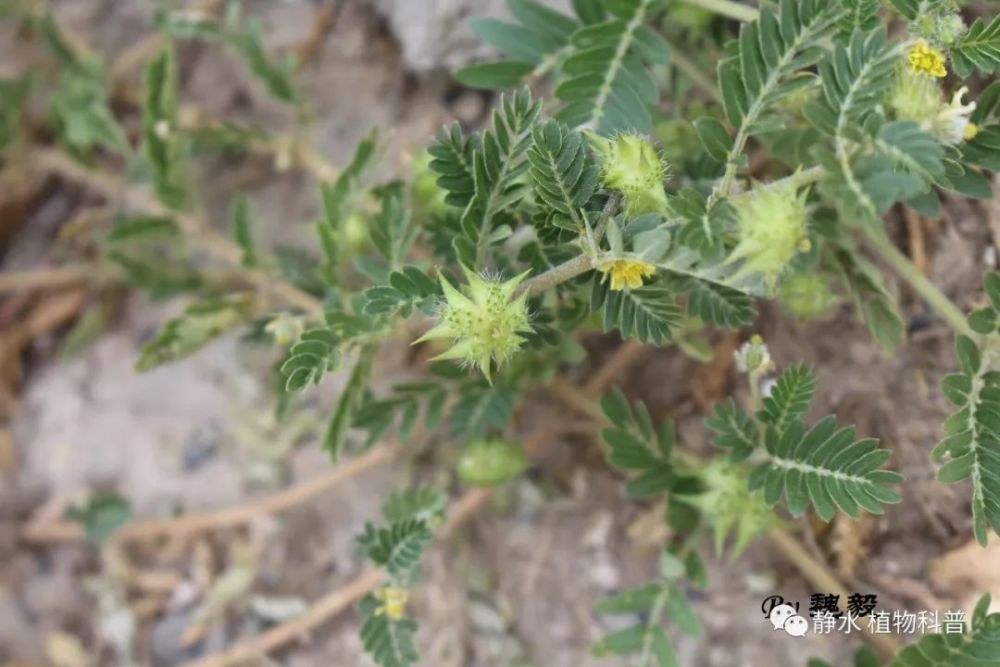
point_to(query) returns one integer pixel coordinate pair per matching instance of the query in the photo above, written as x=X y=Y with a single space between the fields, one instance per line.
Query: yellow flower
x=970 y=131
x=626 y=273
x=393 y=602
x=925 y=59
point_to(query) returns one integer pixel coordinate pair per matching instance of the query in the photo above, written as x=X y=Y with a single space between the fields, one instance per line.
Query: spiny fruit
x=729 y=506
x=772 y=229
x=485 y=322
x=630 y=165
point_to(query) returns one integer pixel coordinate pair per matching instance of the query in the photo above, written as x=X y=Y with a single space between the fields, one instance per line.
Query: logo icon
x=784 y=616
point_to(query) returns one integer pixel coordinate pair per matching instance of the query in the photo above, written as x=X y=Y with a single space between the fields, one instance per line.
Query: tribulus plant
x=796 y=132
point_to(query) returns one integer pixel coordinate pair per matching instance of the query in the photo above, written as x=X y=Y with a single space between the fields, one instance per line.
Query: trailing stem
x=941 y=304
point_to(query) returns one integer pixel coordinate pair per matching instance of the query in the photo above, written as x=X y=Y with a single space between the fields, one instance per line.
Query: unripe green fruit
x=772 y=229
x=491 y=461
x=356 y=233
x=806 y=296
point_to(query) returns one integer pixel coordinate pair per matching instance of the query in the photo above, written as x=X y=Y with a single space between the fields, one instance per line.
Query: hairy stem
x=606 y=214
x=558 y=274
x=948 y=311
x=728 y=8
x=579 y=265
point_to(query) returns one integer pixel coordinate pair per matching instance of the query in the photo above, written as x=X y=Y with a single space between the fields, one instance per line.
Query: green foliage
x=408 y=290
x=495 y=163
x=605 y=83
x=734 y=430
x=388 y=641
x=349 y=402
x=984 y=149
x=408 y=402
x=647 y=641
x=390 y=232
x=860 y=15
x=600 y=65
x=826 y=467
x=386 y=634
x=563 y=173
x=245 y=39
x=79 y=104
x=481 y=408
x=81 y=113
x=101 y=515
x=201 y=322
x=978 y=48
x=142 y=229
x=339 y=201
x=242 y=234
x=768 y=51
x=162 y=140
x=537 y=38
x=714 y=302
x=276 y=75
x=13 y=95
x=702 y=223
x=452 y=156
x=316 y=353
x=863 y=183
x=971 y=445
x=789 y=398
x=423 y=503
x=646 y=314
x=398 y=547
x=978 y=646
x=873 y=302
x=636 y=447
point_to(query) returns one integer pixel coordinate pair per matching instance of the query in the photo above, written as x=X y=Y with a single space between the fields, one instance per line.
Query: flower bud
x=491 y=461
x=484 y=322
x=392 y=602
x=771 y=228
x=940 y=29
x=753 y=356
x=285 y=328
x=630 y=165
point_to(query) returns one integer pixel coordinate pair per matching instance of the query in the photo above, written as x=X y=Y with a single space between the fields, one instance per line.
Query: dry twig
x=54 y=532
